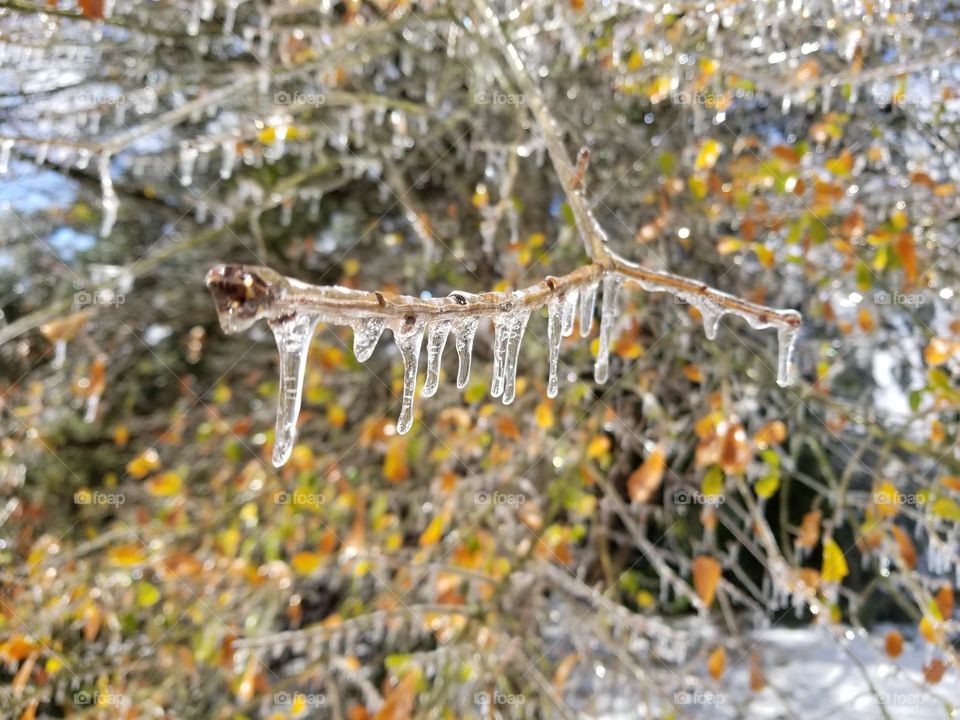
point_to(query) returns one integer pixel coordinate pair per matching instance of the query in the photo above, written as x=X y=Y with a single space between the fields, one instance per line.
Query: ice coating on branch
x=366 y=335
x=588 y=298
x=109 y=196
x=508 y=333
x=555 y=317
x=436 y=340
x=608 y=318
x=293 y=341
x=464 y=330
x=408 y=334
x=568 y=312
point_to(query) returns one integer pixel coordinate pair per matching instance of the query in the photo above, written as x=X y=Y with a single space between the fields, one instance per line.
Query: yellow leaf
x=937 y=352
x=336 y=415
x=771 y=434
x=598 y=447
x=708 y=155
x=305 y=563
x=717 y=662
x=645 y=480
x=886 y=499
x=729 y=245
x=395 y=467
x=834 y=564
x=544 y=415
x=433 y=533
x=706 y=576
x=126 y=555
x=931 y=629
x=164 y=485
x=144 y=464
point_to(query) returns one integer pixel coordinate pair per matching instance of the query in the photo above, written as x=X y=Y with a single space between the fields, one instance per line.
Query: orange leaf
x=907 y=252
x=92 y=9
x=706 y=576
x=893 y=643
x=809 y=530
x=395 y=467
x=398 y=702
x=717 y=662
x=945 y=602
x=771 y=434
x=734 y=452
x=907 y=549
x=933 y=671
x=644 y=481
x=757 y=682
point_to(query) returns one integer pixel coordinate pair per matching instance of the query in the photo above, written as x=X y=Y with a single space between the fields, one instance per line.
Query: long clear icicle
x=464 y=331
x=568 y=312
x=408 y=334
x=366 y=335
x=293 y=341
x=436 y=340
x=109 y=196
x=509 y=329
x=588 y=298
x=555 y=317
x=608 y=319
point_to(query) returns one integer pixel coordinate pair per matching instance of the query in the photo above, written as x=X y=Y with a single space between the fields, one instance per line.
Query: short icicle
x=588 y=298
x=786 y=340
x=293 y=341
x=500 y=323
x=366 y=335
x=608 y=319
x=568 y=312
x=408 y=334
x=464 y=331
x=556 y=310
x=436 y=340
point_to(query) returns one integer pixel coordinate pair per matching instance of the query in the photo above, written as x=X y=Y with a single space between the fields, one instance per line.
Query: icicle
x=408 y=334
x=228 y=158
x=464 y=331
x=554 y=336
x=188 y=157
x=568 y=312
x=436 y=340
x=509 y=329
x=608 y=318
x=293 y=342
x=786 y=339
x=109 y=196
x=6 y=146
x=366 y=335
x=711 y=314
x=588 y=298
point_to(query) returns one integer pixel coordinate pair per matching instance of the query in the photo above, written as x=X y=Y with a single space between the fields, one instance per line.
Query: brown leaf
x=646 y=479
x=893 y=643
x=398 y=700
x=809 y=530
x=757 y=681
x=933 y=671
x=706 y=576
x=945 y=602
x=735 y=451
x=907 y=549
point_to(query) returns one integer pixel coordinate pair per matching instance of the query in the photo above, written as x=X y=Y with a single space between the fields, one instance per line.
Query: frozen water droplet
x=408 y=334
x=293 y=341
x=366 y=335
x=786 y=340
x=608 y=319
x=588 y=298
x=555 y=309
x=568 y=312
x=436 y=340
x=711 y=315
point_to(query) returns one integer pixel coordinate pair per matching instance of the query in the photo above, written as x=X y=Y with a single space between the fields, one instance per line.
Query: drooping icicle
x=509 y=329
x=568 y=312
x=293 y=341
x=555 y=309
x=608 y=319
x=436 y=340
x=588 y=298
x=109 y=196
x=408 y=334
x=710 y=313
x=6 y=146
x=464 y=330
x=366 y=335
x=786 y=340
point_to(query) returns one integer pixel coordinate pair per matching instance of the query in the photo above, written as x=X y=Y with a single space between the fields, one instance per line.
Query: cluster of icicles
x=293 y=332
